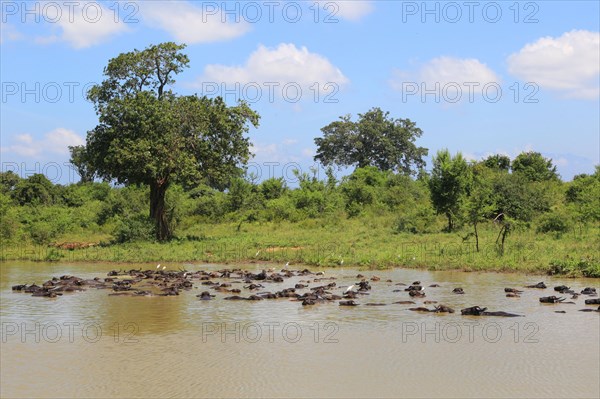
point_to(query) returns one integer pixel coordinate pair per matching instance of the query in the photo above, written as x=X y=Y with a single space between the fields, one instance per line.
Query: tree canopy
x=497 y=162
x=534 y=167
x=149 y=135
x=376 y=139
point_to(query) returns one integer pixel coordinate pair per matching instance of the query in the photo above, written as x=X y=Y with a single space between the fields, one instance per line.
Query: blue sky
x=476 y=77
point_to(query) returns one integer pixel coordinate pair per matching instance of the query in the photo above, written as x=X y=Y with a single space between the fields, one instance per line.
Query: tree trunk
x=476 y=236
x=450 y=222
x=158 y=190
x=504 y=233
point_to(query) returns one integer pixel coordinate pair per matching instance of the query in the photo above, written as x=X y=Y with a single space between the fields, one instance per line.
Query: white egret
x=349 y=288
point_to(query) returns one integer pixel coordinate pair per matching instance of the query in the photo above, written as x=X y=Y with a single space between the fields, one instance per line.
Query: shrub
x=210 y=203
x=554 y=222
x=42 y=232
x=586 y=267
x=273 y=188
x=281 y=209
x=418 y=221
x=137 y=228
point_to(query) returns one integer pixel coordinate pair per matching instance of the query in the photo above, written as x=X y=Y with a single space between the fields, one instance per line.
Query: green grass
x=368 y=242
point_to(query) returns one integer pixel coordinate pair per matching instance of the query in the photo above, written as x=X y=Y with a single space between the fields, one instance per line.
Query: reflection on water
x=90 y=344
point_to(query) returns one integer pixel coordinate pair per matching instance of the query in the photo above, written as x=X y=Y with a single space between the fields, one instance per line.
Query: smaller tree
x=534 y=167
x=480 y=203
x=449 y=184
x=376 y=139
x=497 y=162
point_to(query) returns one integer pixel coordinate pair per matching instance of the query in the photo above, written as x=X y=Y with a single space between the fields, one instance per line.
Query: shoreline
x=277 y=264
x=357 y=245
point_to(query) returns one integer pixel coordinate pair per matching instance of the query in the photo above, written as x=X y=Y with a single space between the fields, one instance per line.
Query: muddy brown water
x=90 y=344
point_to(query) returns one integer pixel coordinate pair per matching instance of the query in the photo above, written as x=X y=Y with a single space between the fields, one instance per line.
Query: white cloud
x=309 y=152
x=8 y=33
x=189 y=24
x=24 y=138
x=470 y=156
x=561 y=161
x=290 y=141
x=23 y=146
x=268 y=153
x=274 y=68
x=569 y=63
x=84 y=24
x=267 y=149
x=351 y=10
x=452 y=74
x=56 y=141
x=450 y=70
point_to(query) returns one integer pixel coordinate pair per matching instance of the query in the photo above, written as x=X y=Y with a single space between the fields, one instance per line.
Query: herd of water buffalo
x=160 y=282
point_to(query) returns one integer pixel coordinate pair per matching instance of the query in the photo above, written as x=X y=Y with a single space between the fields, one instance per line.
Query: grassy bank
x=363 y=242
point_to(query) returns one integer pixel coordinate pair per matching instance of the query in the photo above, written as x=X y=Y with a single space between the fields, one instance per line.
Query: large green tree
x=534 y=167
x=376 y=139
x=149 y=135
x=450 y=182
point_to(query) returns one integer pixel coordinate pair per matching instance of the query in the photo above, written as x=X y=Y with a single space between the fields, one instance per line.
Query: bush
x=273 y=188
x=42 y=232
x=8 y=222
x=362 y=188
x=137 y=228
x=281 y=209
x=210 y=203
x=586 y=267
x=419 y=221
x=35 y=190
x=554 y=222
x=124 y=202
x=312 y=204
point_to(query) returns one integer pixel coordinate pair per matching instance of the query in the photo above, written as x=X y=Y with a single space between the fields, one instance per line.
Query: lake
x=90 y=344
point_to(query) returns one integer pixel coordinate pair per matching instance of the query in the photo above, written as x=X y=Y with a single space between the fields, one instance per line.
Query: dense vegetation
x=502 y=219
x=183 y=158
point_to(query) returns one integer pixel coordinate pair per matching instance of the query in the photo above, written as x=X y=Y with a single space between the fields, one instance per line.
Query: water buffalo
x=540 y=285
x=551 y=299
x=478 y=311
